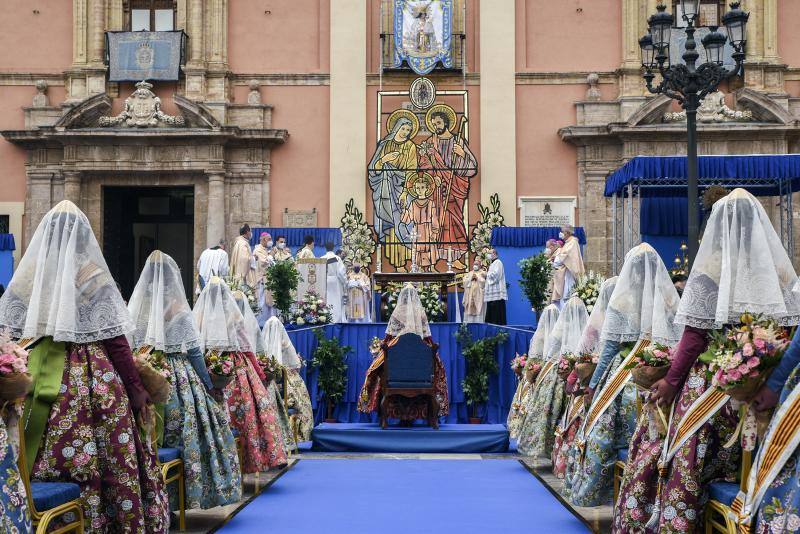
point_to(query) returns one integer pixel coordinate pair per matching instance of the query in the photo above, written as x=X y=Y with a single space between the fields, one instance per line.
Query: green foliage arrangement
x=535 y=273
x=481 y=365
x=329 y=360
x=282 y=280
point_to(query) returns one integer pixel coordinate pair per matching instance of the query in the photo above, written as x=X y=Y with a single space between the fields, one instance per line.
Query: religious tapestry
x=137 y=56
x=420 y=178
x=422 y=31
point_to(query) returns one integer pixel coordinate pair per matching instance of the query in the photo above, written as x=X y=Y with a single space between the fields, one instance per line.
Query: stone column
x=72 y=186
x=37 y=202
x=498 y=161
x=215 y=225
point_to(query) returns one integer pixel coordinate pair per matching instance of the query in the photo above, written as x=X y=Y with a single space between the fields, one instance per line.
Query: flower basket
x=745 y=391
x=585 y=371
x=14 y=386
x=644 y=377
x=156 y=384
x=220 y=381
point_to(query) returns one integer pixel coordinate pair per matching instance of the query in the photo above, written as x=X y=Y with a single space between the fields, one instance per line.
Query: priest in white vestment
x=474 y=285
x=359 y=296
x=496 y=294
x=263 y=256
x=336 y=282
x=212 y=262
x=308 y=249
x=567 y=266
x=243 y=264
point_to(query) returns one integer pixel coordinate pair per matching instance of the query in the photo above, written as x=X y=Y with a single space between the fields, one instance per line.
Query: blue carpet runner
x=405 y=497
x=370 y=437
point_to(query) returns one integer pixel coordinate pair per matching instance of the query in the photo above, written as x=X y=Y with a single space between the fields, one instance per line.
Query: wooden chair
x=718 y=514
x=171 y=465
x=619 y=470
x=50 y=500
x=408 y=372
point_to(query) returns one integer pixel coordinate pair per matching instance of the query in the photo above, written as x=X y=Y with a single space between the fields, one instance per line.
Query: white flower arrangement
x=311 y=310
x=358 y=240
x=587 y=288
x=429 y=296
x=482 y=233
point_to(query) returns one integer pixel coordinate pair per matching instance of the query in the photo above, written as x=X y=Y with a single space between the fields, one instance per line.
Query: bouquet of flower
x=15 y=382
x=269 y=365
x=220 y=368
x=740 y=358
x=532 y=370
x=587 y=288
x=311 y=310
x=155 y=373
x=566 y=365
x=375 y=347
x=247 y=291
x=650 y=365
x=585 y=365
x=518 y=364
x=428 y=295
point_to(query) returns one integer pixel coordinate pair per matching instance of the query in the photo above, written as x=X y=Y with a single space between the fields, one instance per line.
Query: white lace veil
x=566 y=335
x=62 y=287
x=254 y=342
x=219 y=320
x=644 y=301
x=741 y=266
x=590 y=339
x=161 y=315
x=279 y=345
x=408 y=315
x=543 y=330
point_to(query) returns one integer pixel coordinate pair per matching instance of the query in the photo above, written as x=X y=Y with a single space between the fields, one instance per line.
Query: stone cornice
x=615 y=132
x=30 y=78
x=155 y=136
x=563 y=78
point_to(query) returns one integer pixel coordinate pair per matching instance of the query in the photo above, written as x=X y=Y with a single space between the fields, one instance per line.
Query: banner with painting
x=423 y=30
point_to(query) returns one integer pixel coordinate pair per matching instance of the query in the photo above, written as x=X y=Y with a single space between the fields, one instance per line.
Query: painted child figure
x=422 y=212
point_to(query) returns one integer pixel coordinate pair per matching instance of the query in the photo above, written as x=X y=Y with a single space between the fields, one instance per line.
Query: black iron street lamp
x=689 y=83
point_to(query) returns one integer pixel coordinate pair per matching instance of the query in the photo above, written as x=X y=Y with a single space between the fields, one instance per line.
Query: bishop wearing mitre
x=474 y=284
x=243 y=264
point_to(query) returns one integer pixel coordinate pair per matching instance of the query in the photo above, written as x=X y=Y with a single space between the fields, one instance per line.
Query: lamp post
x=688 y=82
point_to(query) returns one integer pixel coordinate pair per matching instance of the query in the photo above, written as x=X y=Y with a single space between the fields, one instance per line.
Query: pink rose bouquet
x=566 y=364
x=518 y=364
x=15 y=382
x=650 y=365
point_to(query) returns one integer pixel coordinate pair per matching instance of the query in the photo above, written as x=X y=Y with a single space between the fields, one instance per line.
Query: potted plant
x=329 y=360
x=282 y=279
x=535 y=273
x=481 y=365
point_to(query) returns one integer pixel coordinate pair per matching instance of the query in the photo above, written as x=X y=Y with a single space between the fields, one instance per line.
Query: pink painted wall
x=569 y=35
x=788 y=39
x=32 y=42
x=268 y=36
x=300 y=167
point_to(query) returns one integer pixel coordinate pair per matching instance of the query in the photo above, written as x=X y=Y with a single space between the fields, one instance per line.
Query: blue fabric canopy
x=759 y=174
x=295 y=236
x=516 y=236
x=664 y=216
x=7 y=242
x=358 y=336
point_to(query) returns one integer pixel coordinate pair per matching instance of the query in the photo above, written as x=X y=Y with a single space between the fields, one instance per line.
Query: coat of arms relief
x=142 y=110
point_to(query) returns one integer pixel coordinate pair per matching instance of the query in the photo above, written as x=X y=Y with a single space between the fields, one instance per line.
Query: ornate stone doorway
x=138 y=220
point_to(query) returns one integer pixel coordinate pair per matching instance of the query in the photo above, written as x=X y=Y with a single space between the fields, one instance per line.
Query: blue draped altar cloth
x=358 y=336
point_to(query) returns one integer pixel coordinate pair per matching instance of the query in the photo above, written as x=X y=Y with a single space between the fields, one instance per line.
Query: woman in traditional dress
x=14 y=514
x=547 y=401
x=408 y=317
x=279 y=346
x=266 y=370
x=642 y=307
x=573 y=415
x=193 y=421
x=741 y=266
x=80 y=424
x=223 y=329
x=535 y=356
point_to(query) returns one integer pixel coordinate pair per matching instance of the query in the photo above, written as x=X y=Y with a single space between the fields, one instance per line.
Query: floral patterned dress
x=92 y=439
x=565 y=437
x=701 y=460
x=543 y=409
x=275 y=397
x=253 y=415
x=779 y=511
x=14 y=515
x=300 y=400
x=515 y=414
x=195 y=423
x=590 y=473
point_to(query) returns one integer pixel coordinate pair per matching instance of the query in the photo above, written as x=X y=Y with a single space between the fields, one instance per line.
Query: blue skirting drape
x=296 y=236
x=358 y=336
x=517 y=236
x=7 y=247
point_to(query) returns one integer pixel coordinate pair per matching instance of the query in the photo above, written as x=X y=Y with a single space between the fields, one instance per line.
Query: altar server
x=495 y=295
x=336 y=282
